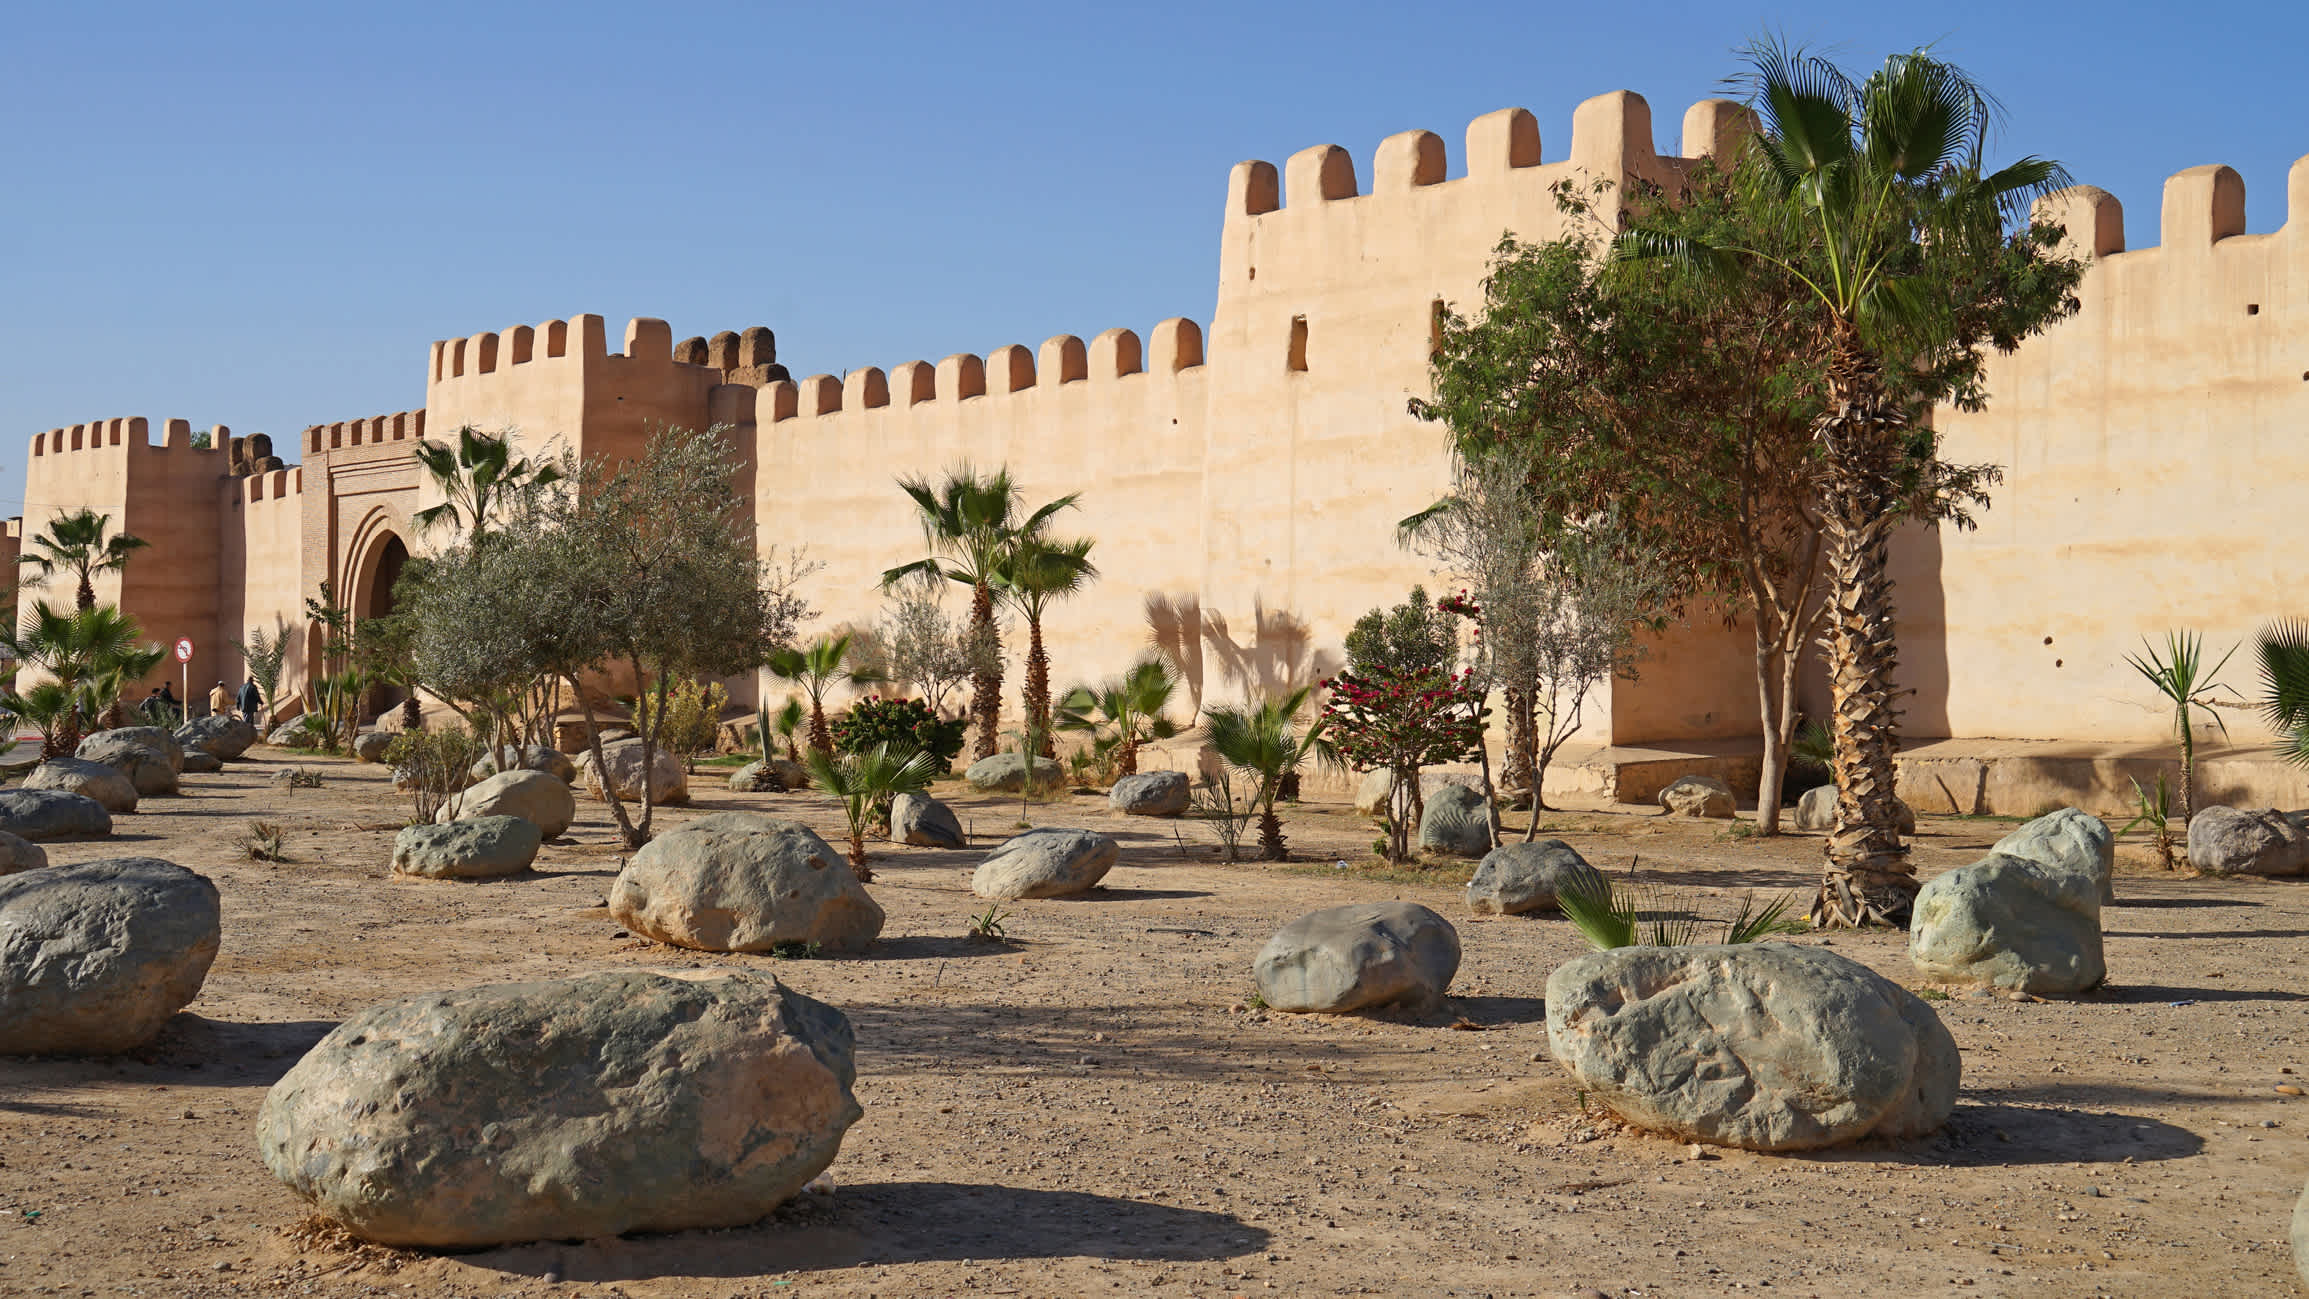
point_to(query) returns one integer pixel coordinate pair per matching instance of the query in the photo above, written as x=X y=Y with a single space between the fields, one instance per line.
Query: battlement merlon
x=401 y=426
x=2200 y=208
x=130 y=432
x=1174 y=347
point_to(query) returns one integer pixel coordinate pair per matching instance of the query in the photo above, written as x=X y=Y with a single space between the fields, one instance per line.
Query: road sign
x=184 y=649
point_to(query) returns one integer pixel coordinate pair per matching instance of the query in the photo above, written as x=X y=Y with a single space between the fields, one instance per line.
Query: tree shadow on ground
x=1996 y=1134
x=190 y=1051
x=1489 y=1011
x=901 y=1222
x=2205 y=933
x=2143 y=993
x=919 y=947
x=2176 y=904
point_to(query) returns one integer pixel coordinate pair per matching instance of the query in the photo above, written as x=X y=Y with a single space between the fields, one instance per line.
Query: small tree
x=2179 y=674
x=83 y=545
x=89 y=656
x=817 y=669
x=433 y=765
x=1399 y=706
x=865 y=784
x=692 y=719
x=1036 y=572
x=921 y=646
x=904 y=725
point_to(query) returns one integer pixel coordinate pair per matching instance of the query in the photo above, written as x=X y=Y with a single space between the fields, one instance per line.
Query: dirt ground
x=1094 y=1109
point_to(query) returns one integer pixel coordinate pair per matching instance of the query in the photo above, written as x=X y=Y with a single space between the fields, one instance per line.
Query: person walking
x=252 y=702
x=220 y=700
x=172 y=712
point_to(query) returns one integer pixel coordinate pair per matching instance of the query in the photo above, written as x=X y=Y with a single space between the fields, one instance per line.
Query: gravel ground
x=1095 y=1109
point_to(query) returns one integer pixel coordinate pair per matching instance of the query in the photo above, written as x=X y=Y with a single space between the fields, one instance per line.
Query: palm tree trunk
x=1126 y=761
x=1036 y=696
x=1868 y=878
x=87 y=593
x=821 y=735
x=985 y=672
x=1271 y=844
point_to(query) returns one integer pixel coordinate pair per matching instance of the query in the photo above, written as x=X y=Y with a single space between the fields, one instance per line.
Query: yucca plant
x=865 y=785
x=2154 y=810
x=2179 y=674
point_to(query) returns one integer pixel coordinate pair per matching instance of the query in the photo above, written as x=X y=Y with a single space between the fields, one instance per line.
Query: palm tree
x=1876 y=191
x=1267 y=744
x=817 y=669
x=973 y=521
x=787 y=722
x=1125 y=712
x=865 y=784
x=475 y=477
x=1037 y=572
x=76 y=543
x=90 y=655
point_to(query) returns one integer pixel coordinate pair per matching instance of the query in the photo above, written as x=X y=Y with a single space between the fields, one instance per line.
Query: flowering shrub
x=1403 y=721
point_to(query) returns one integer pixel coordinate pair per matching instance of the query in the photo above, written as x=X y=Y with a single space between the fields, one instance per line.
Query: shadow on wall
x=1278 y=657
x=1920 y=611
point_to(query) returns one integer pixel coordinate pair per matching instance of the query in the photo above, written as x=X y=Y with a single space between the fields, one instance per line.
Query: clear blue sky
x=260 y=214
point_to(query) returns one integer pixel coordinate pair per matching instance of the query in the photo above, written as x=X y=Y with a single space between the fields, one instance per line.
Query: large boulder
x=17 y=854
x=2248 y=841
x=370 y=746
x=95 y=957
x=2011 y=923
x=537 y=797
x=287 y=733
x=1358 y=956
x=1376 y=787
x=111 y=790
x=744 y=882
x=200 y=762
x=925 y=822
x=1702 y=796
x=52 y=814
x=1456 y=821
x=526 y=757
x=2070 y=840
x=153 y=739
x=136 y=753
x=1150 y=793
x=481 y=848
x=1816 y=811
x=668 y=782
x=1518 y=877
x=1045 y=863
x=1764 y=1046
x=1005 y=773
x=223 y=738
x=576 y=1109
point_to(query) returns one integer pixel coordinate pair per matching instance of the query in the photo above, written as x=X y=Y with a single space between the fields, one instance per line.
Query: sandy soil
x=1094 y=1110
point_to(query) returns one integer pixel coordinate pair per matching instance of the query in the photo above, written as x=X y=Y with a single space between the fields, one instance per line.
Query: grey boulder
x=95 y=957
x=105 y=785
x=1150 y=793
x=526 y=757
x=775 y=776
x=1376 y=787
x=370 y=746
x=2247 y=841
x=1701 y=796
x=1455 y=821
x=2071 y=840
x=483 y=848
x=151 y=739
x=1005 y=773
x=52 y=814
x=223 y=738
x=2010 y=923
x=1045 y=863
x=535 y=796
x=1518 y=877
x=744 y=882
x=575 y=1109
x=17 y=854
x=1356 y=957
x=925 y=822
x=1816 y=811
x=666 y=780
x=1763 y=1046
x=200 y=762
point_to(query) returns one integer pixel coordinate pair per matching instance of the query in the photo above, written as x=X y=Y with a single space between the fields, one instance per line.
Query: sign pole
x=184 y=664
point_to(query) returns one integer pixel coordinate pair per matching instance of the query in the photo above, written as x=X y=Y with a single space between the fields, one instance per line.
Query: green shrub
x=433 y=765
x=901 y=724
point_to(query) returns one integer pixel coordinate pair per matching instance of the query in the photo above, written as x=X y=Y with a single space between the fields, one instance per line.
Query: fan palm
x=1125 y=712
x=1870 y=183
x=1037 y=572
x=865 y=784
x=474 y=478
x=971 y=522
x=88 y=654
x=1267 y=744
x=2283 y=648
x=77 y=543
x=818 y=668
